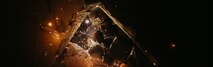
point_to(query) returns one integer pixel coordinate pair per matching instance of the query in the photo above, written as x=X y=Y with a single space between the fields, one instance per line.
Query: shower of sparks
x=80 y=51
x=75 y=54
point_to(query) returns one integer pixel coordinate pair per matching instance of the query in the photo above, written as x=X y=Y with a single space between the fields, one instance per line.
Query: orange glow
x=50 y=44
x=57 y=18
x=123 y=65
x=57 y=36
x=50 y=24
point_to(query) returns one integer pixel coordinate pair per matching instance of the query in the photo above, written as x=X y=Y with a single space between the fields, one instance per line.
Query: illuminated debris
x=98 y=38
x=117 y=63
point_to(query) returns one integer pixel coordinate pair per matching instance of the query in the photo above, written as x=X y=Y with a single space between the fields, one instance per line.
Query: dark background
x=155 y=22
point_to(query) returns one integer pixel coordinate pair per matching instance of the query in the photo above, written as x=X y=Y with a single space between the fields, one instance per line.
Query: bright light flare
x=173 y=45
x=50 y=24
x=87 y=21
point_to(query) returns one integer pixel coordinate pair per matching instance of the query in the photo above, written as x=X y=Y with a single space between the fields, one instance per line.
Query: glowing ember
x=50 y=24
x=56 y=18
x=123 y=65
